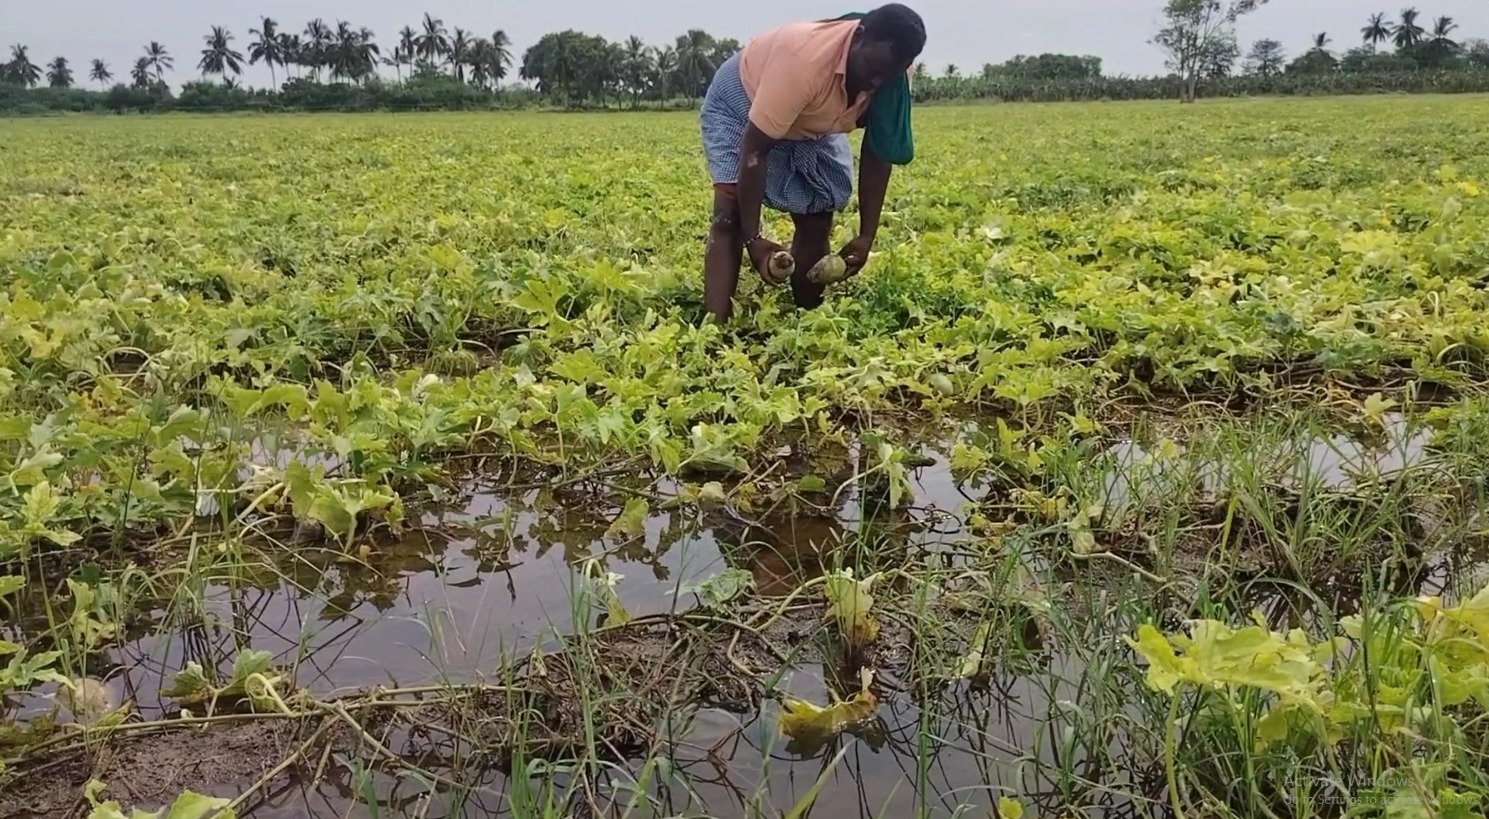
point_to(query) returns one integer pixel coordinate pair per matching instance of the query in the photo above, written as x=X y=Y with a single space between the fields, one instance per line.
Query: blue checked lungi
x=801 y=176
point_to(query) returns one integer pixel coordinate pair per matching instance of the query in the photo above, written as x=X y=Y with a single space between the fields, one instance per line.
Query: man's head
x=889 y=40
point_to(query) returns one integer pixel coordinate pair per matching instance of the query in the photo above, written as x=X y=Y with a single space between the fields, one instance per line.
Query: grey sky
x=965 y=32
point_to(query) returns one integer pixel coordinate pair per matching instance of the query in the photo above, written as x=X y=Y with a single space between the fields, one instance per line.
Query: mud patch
x=150 y=770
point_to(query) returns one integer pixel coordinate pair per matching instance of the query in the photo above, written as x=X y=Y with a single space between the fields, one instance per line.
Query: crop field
x=383 y=465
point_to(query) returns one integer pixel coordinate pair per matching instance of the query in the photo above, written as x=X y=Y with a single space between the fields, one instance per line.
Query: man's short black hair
x=898 y=25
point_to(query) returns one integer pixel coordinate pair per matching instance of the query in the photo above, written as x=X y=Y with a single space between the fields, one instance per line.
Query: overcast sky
x=966 y=32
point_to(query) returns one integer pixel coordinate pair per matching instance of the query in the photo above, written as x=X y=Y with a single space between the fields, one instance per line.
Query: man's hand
x=762 y=251
x=856 y=254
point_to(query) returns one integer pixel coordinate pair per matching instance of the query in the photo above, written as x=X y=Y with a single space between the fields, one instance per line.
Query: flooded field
x=383 y=466
x=453 y=609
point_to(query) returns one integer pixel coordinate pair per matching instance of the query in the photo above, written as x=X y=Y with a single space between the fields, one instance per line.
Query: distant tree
x=267 y=47
x=461 y=51
x=219 y=57
x=1366 y=60
x=1407 y=34
x=20 y=70
x=636 y=69
x=1266 y=58
x=1441 y=48
x=1476 y=53
x=100 y=73
x=696 y=52
x=59 y=73
x=499 y=59
x=353 y=53
x=1314 y=61
x=1198 y=35
x=664 y=64
x=1046 y=67
x=953 y=72
x=570 y=65
x=315 y=50
x=292 y=54
x=407 y=49
x=160 y=60
x=434 y=42
x=921 y=74
x=1377 y=30
x=139 y=76
x=1220 y=59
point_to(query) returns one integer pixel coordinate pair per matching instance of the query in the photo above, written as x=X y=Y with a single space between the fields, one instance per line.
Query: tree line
x=436 y=66
x=1199 y=39
x=569 y=66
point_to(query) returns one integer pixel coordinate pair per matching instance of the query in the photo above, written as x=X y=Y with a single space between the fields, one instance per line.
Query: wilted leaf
x=802 y=720
x=88 y=699
x=851 y=604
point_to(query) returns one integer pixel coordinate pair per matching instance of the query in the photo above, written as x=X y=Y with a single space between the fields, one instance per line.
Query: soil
x=150 y=771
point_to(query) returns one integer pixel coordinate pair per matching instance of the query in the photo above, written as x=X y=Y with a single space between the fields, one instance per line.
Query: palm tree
x=664 y=63
x=407 y=48
x=25 y=72
x=100 y=73
x=219 y=57
x=500 y=57
x=159 y=59
x=267 y=47
x=693 y=60
x=460 y=52
x=316 y=52
x=636 y=67
x=140 y=74
x=291 y=52
x=367 y=52
x=1376 y=31
x=1441 y=29
x=433 y=43
x=59 y=73
x=1442 y=46
x=1408 y=34
x=1321 y=41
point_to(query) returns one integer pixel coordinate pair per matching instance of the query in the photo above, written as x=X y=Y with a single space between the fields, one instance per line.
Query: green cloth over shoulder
x=887 y=132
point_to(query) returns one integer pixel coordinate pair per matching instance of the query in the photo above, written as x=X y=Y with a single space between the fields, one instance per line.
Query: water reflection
x=494 y=575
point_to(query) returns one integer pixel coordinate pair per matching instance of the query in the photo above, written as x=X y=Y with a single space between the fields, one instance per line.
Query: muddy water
x=469 y=589
x=455 y=598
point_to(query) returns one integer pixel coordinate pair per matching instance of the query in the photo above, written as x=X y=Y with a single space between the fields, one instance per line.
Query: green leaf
x=250 y=662
x=189 y=805
x=190 y=685
x=10 y=584
x=632 y=520
x=717 y=591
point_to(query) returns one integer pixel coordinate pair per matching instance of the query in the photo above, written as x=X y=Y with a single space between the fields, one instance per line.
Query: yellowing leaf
x=1082 y=541
x=851 y=604
x=1375 y=408
x=1010 y=808
x=802 y=720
